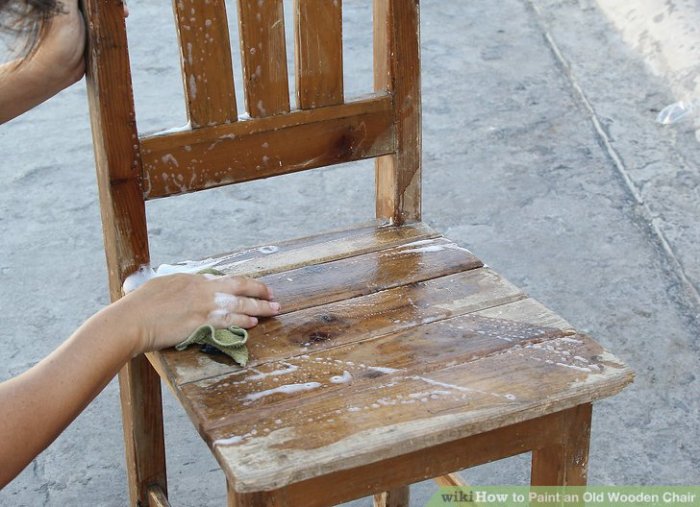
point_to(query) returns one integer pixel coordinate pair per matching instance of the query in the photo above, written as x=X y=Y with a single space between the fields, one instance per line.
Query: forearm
x=24 y=86
x=41 y=402
x=37 y=405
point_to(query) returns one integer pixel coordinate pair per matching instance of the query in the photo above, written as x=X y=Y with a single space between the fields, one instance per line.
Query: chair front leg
x=399 y=497
x=565 y=462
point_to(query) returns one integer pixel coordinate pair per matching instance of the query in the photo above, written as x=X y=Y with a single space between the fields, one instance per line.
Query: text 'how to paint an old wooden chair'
x=399 y=355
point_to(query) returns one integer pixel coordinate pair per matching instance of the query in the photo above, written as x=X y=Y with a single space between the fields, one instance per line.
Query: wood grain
x=454 y=341
x=320 y=328
x=124 y=226
x=244 y=151
x=462 y=452
x=256 y=498
x=117 y=157
x=318 y=53
x=142 y=421
x=207 y=71
x=449 y=481
x=348 y=278
x=565 y=463
x=370 y=423
x=397 y=350
x=397 y=70
x=157 y=498
x=187 y=367
x=264 y=57
x=328 y=247
x=398 y=497
x=318 y=249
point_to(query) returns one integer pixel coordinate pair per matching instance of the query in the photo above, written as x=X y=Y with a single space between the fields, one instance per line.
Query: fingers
x=223 y=319
x=240 y=302
x=245 y=305
x=248 y=287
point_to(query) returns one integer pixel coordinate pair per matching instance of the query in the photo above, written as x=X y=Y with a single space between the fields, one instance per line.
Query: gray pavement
x=541 y=155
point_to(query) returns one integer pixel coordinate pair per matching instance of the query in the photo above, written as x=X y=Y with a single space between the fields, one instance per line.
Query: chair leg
x=399 y=497
x=566 y=463
x=142 y=419
x=257 y=499
x=450 y=480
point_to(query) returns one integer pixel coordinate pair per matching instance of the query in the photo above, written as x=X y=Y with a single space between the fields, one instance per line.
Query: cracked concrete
x=541 y=155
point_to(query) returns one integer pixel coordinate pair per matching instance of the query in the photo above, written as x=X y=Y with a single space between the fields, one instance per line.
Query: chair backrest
x=220 y=148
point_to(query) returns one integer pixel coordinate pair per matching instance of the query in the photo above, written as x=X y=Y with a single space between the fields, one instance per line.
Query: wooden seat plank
x=314 y=285
x=415 y=351
x=329 y=433
x=417 y=466
x=318 y=284
x=270 y=258
x=279 y=257
x=207 y=72
x=352 y=321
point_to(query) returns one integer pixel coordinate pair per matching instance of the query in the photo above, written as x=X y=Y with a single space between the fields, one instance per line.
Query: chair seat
x=392 y=340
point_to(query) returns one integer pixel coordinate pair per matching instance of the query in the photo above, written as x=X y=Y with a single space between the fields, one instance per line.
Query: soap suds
x=381 y=369
x=187 y=126
x=259 y=375
x=146 y=272
x=286 y=389
x=228 y=441
x=341 y=379
x=225 y=301
x=138 y=278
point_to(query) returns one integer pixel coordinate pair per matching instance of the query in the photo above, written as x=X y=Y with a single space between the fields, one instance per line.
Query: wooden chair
x=400 y=356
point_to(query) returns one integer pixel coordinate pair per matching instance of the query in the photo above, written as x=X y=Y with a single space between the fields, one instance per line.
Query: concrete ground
x=541 y=154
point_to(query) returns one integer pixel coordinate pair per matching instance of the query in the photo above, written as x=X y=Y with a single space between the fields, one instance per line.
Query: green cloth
x=231 y=340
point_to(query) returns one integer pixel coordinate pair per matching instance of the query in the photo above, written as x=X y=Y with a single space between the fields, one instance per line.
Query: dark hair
x=27 y=19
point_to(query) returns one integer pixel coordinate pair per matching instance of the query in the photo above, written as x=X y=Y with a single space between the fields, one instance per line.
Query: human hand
x=165 y=310
x=59 y=57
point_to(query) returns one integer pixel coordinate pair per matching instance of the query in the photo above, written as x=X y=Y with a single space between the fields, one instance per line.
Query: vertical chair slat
x=264 y=57
x=397 y=70
x=318 y=53
x=206 y=61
